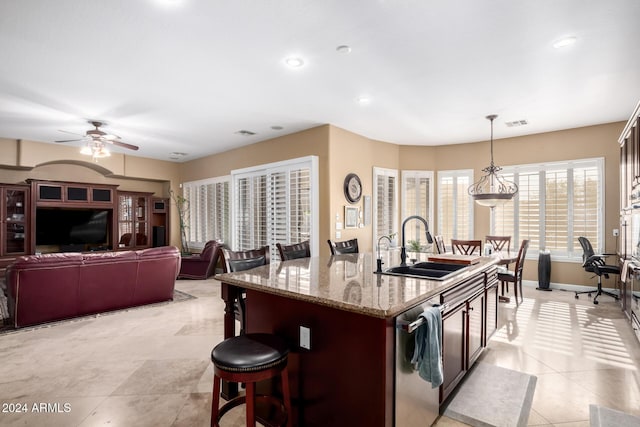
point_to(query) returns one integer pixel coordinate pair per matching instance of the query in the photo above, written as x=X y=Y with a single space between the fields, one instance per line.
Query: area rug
x=6 y=327
x=493 y=396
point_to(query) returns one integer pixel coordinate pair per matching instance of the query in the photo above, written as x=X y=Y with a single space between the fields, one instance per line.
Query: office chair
x=594 y=263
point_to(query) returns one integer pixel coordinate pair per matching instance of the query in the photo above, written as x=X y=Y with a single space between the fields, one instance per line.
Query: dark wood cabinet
x=469 y=319
x=50 y=193
x=128 y=219
x=14 y=224
x=133 y=220
x=629 y=240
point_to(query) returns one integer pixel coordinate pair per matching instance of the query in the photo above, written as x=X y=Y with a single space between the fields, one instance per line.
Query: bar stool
x=248 y=359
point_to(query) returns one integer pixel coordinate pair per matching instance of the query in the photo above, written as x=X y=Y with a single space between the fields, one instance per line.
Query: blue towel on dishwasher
x=427 y=359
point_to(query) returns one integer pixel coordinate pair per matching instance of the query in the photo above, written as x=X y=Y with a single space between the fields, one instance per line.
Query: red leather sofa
x=43 y=288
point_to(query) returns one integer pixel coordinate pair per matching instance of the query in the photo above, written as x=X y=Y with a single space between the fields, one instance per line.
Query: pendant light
x=492 y=189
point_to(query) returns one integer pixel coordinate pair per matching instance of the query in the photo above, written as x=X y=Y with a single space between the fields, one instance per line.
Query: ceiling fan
x=96 y=140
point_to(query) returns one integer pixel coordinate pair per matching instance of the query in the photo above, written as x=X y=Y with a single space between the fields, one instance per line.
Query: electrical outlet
x=338 y=235
x=305 y=337
x=616 y=232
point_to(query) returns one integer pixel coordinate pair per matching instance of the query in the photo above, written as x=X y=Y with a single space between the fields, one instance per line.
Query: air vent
x=245 y=132
x=516 y=123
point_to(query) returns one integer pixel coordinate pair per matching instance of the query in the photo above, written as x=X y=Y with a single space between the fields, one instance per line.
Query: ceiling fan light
x=86 y=150
x=101 y=153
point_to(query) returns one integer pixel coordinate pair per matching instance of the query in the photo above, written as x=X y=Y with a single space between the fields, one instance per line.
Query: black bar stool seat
x=250 y=358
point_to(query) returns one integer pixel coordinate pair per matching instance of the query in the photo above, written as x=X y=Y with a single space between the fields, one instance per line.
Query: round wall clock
x=352 y=188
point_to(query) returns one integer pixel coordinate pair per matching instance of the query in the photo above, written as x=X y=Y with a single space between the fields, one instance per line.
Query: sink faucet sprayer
x=403 y=252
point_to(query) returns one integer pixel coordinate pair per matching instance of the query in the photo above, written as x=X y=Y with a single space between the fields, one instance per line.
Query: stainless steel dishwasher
x=416 y=402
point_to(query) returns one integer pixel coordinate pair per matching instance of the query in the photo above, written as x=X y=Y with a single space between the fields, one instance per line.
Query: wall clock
x=352 y=188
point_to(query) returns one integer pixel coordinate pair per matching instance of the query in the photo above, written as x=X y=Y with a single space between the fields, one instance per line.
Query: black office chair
x=594 y=263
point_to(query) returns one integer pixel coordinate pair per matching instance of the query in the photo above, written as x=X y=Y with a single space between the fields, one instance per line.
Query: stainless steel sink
x=426 y=270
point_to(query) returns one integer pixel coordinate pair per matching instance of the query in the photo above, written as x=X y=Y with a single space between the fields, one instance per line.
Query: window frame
x=384 y=172
x=268 y=169
x=192 y=210
x=573 y=251
x=455 y=174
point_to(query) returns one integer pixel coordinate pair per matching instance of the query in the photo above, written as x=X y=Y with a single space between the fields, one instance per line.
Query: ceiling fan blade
x=123 y=144
x=72 y=133
x=70 y=140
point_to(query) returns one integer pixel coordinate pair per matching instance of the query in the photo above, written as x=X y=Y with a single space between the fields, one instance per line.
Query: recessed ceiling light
x=277 y=127
x=294 y=62
x=363 y=100
x=564 y=42
x=344 y=49
x=245 y=132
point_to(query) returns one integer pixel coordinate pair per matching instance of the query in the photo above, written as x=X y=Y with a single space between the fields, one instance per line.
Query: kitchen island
x=356 y=370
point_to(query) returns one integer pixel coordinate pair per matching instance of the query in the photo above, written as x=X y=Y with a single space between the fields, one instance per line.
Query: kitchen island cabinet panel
x=351 y=374
x=354 y=350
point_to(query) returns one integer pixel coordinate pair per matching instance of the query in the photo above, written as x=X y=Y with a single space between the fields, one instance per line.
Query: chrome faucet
x=379 y=259
x=403 y=252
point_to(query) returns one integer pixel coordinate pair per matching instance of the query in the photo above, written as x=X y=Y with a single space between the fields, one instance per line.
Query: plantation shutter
x=556 y=213
x=385 y=183
x=417 y=196
x=586 y=205
x=273 y=205
x=455 y=206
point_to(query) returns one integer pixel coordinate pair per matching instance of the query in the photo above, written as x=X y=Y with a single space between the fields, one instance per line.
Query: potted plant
x=182 y=205
x=415 y=248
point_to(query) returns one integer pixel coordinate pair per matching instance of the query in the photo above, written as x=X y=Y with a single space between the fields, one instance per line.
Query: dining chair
x=344 y=247
x=440 y=247
x=499 y=243
x=466 y=247
x=515 y=276
x=296 y=250
x=240 y=261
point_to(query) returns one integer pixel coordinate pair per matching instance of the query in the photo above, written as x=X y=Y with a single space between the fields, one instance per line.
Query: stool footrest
x=270 y=410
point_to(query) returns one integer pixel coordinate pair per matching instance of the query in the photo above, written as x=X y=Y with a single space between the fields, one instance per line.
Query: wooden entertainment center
x=82 y=216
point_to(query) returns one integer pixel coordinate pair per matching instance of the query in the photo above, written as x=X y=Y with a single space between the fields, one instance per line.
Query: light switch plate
x=305 y=337
x=338 y=235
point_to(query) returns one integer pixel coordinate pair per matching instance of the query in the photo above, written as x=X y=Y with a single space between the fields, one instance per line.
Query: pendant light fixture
x=492 y=189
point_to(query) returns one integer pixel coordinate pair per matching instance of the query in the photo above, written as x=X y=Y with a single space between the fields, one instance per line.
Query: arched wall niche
x=85 y=172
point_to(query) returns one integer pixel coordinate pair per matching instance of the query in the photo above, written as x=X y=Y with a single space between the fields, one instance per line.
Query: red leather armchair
x=203 y=265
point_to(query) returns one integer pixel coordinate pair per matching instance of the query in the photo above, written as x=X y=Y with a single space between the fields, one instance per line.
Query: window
x=556 y=203
x=208 y=215
x=276 y=203
x=385 y=184
x=455 y=206
x=417 y=199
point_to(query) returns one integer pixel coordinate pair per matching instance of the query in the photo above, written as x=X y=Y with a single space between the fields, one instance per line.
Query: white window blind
x=455 y=206
x=385 y=184
x=417 y=199
x=556 y=203
x=208 y=215
x=275 y=203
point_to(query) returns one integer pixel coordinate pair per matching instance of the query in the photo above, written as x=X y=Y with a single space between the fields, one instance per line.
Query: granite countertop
x=347 y=282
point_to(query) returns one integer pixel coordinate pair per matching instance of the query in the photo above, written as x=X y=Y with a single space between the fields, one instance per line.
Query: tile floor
x=151 y=367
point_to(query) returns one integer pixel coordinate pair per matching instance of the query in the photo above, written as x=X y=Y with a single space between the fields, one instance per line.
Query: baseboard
x=565 y=286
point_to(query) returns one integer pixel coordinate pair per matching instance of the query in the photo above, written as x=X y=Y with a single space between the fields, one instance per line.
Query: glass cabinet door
x=15 y=221
x=133 y=224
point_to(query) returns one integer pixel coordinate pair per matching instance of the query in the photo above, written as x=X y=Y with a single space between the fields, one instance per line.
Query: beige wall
x=340 y=152
x=352 y=153
x=22 y=160
x=586 y=142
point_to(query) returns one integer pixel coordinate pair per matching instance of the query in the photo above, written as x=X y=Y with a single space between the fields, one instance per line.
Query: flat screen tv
x=72 y=227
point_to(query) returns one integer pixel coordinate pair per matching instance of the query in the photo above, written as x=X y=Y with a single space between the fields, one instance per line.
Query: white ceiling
x=184 y=76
